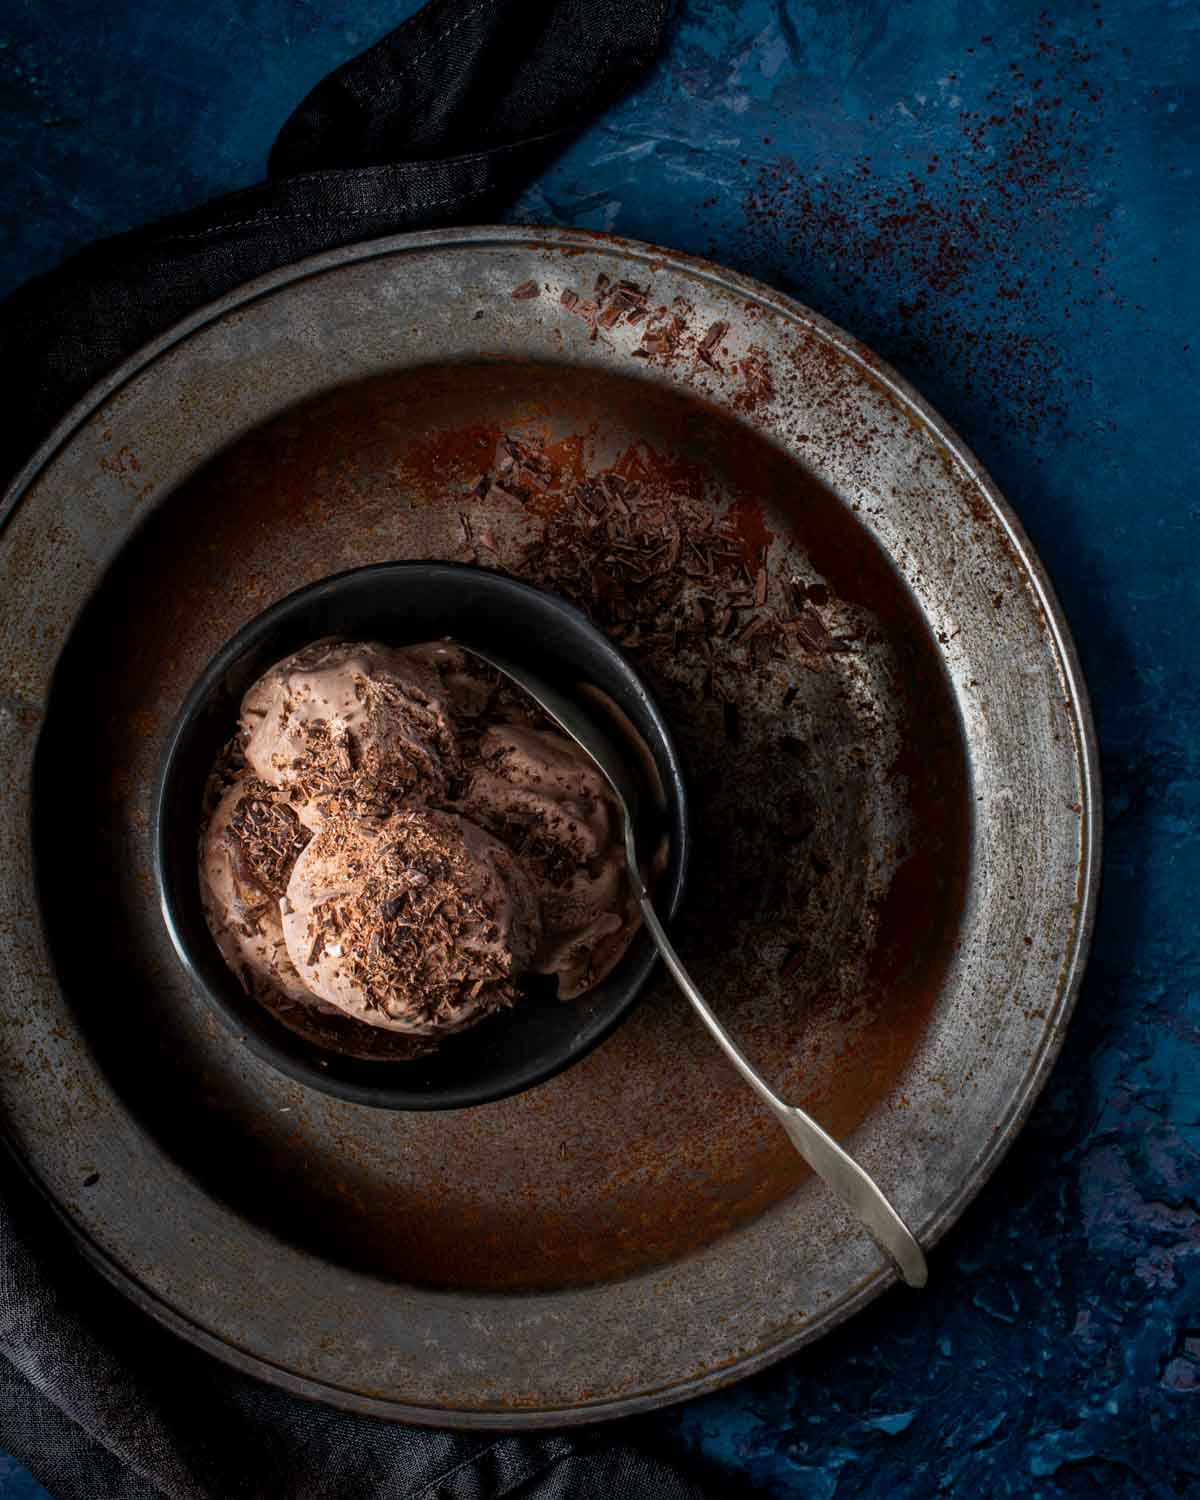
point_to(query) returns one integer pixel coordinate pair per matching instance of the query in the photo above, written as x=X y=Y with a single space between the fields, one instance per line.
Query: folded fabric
x=441 y=122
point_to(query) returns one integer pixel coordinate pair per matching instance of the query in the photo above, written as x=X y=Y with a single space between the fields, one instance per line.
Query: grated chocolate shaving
x=418 y=932
x=268 y=839
x=707 y=345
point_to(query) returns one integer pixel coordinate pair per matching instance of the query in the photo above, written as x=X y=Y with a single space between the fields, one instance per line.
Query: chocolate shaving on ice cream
x=420 y=922
x=348 y=728
x=396 y=838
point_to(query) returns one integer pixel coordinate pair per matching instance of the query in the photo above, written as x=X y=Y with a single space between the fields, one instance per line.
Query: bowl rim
x=385 y=1095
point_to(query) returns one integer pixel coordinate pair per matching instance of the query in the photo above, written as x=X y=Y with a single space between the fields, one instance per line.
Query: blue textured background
x=1003 y=201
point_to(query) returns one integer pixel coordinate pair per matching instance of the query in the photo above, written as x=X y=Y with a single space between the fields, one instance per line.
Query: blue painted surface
x=17 y=1483
x=1003 y=201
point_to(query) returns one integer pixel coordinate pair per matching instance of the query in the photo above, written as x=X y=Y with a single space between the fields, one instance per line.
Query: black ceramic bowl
x=402 y=603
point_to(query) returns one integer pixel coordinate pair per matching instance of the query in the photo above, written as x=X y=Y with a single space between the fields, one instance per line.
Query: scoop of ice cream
x=402 y=844
x=349 y=727
x=466 y=686
x=538 y=792
x=246 y=856
x=420 y=922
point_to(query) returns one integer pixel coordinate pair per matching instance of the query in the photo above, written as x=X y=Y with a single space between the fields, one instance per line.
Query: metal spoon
x=836 y=1167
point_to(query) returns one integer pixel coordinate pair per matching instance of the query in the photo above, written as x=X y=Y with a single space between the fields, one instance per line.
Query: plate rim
x=1085 y=754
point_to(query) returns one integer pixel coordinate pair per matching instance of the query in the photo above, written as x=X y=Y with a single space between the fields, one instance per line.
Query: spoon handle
x=823 y=1154
x=837 y=1168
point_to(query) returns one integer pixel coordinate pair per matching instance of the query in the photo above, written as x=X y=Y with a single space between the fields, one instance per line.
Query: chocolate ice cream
x=353 y=728
x=535 y=790
x=397 y=839
x=420 y=922
x=246 y=857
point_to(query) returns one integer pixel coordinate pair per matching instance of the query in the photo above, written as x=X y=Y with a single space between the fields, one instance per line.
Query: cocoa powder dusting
x=945 y=267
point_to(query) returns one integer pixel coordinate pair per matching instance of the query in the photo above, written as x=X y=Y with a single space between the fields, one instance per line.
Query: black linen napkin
x=441 y=121
x=100 y=1403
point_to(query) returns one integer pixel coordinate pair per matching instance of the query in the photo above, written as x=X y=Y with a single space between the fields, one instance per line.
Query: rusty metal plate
x=895 y=801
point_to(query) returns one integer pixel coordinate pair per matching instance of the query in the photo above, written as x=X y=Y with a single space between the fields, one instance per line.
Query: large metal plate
x=895 y=868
